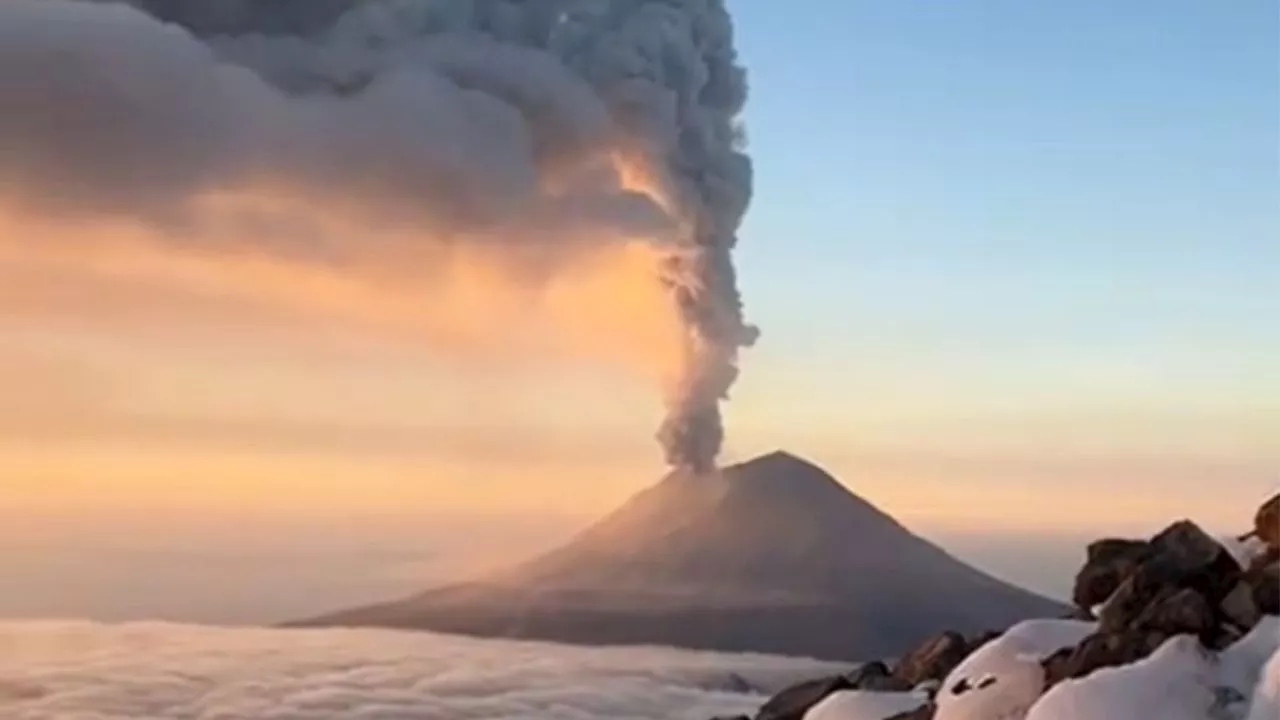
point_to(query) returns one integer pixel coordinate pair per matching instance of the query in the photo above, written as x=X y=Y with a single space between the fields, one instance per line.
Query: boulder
x=1177 y=612
x=876 y=676
x=1108 y=563
x=1266 y=523
x=1099 y=651
x=1133 y=596
x=1265 y=582
x=934 y=659
x=795 y=701
x=1240 y=607
x=1185 y=556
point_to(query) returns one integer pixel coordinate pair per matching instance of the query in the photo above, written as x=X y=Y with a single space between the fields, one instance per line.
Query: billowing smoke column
x=480 y=119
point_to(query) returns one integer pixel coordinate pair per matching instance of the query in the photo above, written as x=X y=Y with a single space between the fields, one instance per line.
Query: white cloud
x=89 y=671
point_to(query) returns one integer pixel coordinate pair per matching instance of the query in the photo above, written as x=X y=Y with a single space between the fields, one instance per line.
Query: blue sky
x=1025 y=187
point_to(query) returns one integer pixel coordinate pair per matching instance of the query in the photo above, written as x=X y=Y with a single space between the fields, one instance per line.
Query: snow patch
x=1002 y=679
x=1174 y=683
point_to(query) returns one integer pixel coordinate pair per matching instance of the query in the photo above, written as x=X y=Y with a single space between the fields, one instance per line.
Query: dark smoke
x=658 y=81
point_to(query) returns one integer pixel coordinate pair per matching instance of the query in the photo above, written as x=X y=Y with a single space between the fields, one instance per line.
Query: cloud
x=170 y=672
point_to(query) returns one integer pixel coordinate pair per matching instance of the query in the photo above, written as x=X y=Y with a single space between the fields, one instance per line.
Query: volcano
x=772 y=555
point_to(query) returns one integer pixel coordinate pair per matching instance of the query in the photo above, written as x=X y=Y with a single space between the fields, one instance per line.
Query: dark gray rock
x=795 y=701
x=1265 y=582
x=934 y=659
x=1185 y=556
x=1107 y=564
x=1240 y=607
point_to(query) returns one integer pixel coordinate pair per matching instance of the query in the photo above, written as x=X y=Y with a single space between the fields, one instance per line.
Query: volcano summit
x=772 y=555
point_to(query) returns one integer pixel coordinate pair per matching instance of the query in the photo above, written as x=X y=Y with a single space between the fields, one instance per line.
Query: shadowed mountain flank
x=772 y=555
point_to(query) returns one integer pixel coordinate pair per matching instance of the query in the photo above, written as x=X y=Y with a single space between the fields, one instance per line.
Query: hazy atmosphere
x=1010 y=267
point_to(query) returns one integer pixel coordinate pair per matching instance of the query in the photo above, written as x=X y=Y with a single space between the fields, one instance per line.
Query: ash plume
x=530 y=131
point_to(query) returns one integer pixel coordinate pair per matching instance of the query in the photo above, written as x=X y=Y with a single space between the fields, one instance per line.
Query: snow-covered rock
x=1180 y=681
x=1175 y=683
x=1004 y=678
x=865 y=705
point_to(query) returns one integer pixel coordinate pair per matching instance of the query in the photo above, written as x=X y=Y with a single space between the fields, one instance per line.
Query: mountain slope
x=772 y=555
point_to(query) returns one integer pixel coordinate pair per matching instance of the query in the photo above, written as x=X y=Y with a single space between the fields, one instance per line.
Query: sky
x=1015 y=270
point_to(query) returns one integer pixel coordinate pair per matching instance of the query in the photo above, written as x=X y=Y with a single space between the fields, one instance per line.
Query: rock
x=1266 y=523
x=924 y=712
x=1265 y=581
x=1137 y=591
x=934 y=659
x=986 y=637
x=1099 y=651
x=1185 y=556
x=1108 y=563
x=731 y=717
x=1177 y=612
x=1240 y=607
x=1182 y=557
x=875 y=676
x=795 y=701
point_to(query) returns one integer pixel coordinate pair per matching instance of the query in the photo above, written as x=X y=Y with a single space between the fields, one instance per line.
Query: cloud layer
x=58 y=670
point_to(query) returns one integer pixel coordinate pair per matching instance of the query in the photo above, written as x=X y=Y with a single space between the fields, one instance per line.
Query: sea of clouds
x=151 y=671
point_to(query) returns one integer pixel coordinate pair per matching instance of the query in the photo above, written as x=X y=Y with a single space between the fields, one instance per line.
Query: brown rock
x=1266 y=523
x=1108 y=563
x=934 y=659
x=795 y=701
x=1177 y=612
x=1098 y=651
x=875 y=676
x=924 y=712
x=1133 y=596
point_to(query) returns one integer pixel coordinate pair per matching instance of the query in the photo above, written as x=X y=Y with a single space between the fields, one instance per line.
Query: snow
x=1266 y=696
x=1002 y=679
x=1180 y=681
x=865 y=705
x=1242 y=663
x=1174 y=683
x=150 y=671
